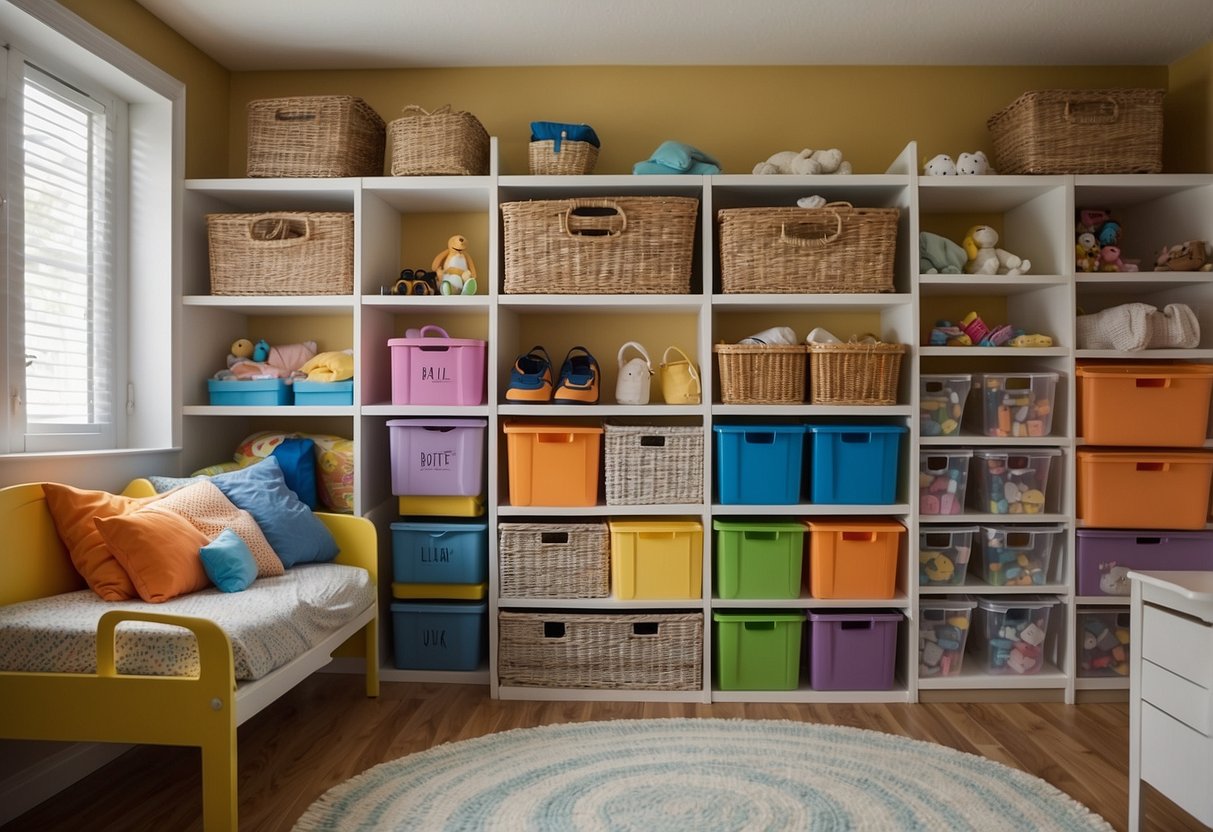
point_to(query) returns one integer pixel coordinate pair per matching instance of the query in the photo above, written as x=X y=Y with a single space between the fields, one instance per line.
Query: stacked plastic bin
x=439 y=549
x=1143 y=492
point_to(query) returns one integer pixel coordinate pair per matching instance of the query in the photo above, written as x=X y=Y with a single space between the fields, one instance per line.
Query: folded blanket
x=330 y=366
x=676 y=157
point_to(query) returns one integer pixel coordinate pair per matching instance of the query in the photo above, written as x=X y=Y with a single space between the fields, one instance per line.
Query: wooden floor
x=325 y=731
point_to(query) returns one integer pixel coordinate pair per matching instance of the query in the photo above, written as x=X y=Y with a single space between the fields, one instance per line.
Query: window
x=62 y=261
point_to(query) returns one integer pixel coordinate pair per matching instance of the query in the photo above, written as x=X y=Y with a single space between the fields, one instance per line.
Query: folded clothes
x=676 y=157
x=695 y=168
x=330 y=366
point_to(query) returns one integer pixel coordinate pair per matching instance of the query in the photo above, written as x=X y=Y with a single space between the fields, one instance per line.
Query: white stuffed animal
x=941 y=165
x=807 y=162
x=973 y=164
x=984 y=256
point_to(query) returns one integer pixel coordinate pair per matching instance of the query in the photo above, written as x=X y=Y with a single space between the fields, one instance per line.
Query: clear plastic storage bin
x=943 y=629
x=1012 y=480
x=942 y=479
x=1014 y=633
x=1016 y=555
x=1014 y=404
x=943 y=554
x=1103 y=642
x=941 y=403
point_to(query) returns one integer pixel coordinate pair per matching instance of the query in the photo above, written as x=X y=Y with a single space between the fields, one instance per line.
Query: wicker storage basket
x=620 y=245
x=854 y=373
x=285 y=253
x=601 y=650
x=653 y=464
x=835 y=248
x=1079 y=131
x=443 y=142
x=573 y=158
x=554 y=560
x=761 y=373
x=318 y=135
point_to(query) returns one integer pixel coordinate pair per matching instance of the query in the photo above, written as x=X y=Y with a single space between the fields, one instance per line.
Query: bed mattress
x=269 y=624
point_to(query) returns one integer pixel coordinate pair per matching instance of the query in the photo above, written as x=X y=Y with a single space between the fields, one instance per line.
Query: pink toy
x=1110 y=261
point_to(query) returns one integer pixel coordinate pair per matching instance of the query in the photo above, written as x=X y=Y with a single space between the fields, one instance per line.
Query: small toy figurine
x=456 y=271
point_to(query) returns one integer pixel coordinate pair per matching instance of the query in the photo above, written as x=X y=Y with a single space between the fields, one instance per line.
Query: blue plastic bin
x=438 y=635
x=440 y=553
x=250 y=392
x=324 y=392
x=854 y=464
x=758 y=464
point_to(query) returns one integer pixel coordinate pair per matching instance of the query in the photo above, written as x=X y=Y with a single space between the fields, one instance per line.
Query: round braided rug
x=695 y=775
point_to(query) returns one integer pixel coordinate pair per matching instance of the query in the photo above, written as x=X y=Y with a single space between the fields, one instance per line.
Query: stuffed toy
x=456 y=271
x=941 y=165
x=1184 y=257
x=985 y=258
x=267 y=362
x=939 y=255
x=1109 y=260
x=806 y=162
x=973 y=164
x=1086 y=253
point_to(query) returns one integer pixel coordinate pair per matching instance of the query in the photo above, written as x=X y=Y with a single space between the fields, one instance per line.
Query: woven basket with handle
x=789 y=250
x=442 y=142
x=761 y=373
x=855 y=372
x=572 y=159
x=1080 y=132
x=283 y=253
x=316 y=135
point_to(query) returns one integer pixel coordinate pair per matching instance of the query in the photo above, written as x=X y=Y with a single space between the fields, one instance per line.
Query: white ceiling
x=365 y=34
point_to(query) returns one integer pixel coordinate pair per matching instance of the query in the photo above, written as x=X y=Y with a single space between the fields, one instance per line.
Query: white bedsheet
x=268 y=624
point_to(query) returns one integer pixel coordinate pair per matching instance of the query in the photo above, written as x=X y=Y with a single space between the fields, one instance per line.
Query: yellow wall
x=739 y=114
x=206 y=82
x=1189 y=113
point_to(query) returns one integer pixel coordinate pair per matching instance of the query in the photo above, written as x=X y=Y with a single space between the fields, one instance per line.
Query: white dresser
x=1171 y=691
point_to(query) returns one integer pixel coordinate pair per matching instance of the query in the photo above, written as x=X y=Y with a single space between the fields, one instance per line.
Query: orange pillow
x=159 y=550
x=73 y=510
x=210 y=511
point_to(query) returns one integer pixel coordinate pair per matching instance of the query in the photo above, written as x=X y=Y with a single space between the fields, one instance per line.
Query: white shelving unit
x=1034 y=215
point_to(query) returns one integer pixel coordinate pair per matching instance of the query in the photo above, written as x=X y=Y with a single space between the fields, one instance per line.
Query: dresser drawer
x=1175 y=760
x=1190 y=704
x=1181 y=644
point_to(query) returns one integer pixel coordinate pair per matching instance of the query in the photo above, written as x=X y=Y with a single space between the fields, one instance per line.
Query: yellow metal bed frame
x=162 y=710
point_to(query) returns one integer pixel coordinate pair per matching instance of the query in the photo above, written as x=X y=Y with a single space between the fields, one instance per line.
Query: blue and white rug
x=695 y=775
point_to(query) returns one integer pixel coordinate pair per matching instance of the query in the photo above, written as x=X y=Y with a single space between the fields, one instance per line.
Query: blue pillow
x=297 y=535
x=228 y=562
x=297 y=458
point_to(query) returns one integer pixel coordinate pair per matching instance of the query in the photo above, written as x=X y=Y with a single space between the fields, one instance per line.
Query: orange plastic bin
x=553 y=465
x=1144 y=404
x=853 y=558
x=1144 y=489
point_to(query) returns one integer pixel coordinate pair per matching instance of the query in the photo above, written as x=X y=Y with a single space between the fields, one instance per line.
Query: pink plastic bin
x=437 y=457
x=437 y=370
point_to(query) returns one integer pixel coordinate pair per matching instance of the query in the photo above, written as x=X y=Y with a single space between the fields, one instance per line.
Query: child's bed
x=203 y=710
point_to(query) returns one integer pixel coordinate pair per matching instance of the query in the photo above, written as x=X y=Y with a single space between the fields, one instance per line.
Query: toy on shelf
x=635 y=376
x=1191 y=256
x=1097 y=243
x=966 y=164
x=416 y=282
x=455 y=269
x=1139 y=326
x=939 y=255
x=806 y=162
x=940 y=165
x=673 y=157
x=972 y=331
x=986 y=258
x=248 y=360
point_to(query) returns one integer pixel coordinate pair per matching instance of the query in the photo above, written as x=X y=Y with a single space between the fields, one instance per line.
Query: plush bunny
x=973 y=164
x=806 y=162
x=985 y=258
x=941 y=165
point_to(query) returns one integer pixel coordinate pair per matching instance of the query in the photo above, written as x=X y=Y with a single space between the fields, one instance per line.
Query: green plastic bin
x=758 y=560
x=758 y=650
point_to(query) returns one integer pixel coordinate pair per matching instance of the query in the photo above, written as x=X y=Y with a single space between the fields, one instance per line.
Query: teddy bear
x=985 y=258
x=1183 y=257
x=973 y=164
x=940 y=165
x=1086 y=253
x=455 y=269
x=806 y=162
x=939 y=255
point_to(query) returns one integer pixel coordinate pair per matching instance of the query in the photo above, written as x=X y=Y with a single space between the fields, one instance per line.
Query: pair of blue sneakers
x=531 y=378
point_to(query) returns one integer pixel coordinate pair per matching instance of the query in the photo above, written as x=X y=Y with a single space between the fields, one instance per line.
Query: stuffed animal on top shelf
x=456 y=271
x=806 y=162
x=985 y=258
x=973 y=164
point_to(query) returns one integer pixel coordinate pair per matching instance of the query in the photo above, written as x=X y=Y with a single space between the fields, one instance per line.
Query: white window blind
x=66 y=273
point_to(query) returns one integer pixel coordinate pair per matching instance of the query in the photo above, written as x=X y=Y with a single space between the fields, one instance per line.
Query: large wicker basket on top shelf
x=761 y=373
x=854 y=372
x=444 y=142
x=835 y=248
x=1079 y=131
x=315 y=135
x=282 y=253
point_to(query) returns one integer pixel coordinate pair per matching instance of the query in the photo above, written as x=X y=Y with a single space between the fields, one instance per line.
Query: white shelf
x=604 y=604
x=415 y=410
x=971 y=518
x=1146 y=355
x=977 y=587
x=814 y=509
x=806 y=695
x=284 y=410
x=1101 y=682
x=834 y=302
x=599 y=695
x=277 y=305
x=992 y=352
x=584 y=304
x=1101 y=600
x=973 y=675
x=811 y=410
x=599 y=510
x=898 y=601
x=645 y=410
x=391 y=673
x=429 y=304
x=987 y=285
x=969 y=439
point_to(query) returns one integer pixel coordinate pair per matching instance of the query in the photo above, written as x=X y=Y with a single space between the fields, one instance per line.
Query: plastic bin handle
x=759 y=625
x=430 y=328
x=1153 y=466
x=1154 y=382
x=555 y=438
x=764 y=438
x=855 y=438
x=868 y=537
x=757 y=535
x=856 y=625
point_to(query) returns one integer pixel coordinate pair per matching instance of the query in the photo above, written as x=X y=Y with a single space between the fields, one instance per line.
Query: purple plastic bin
x=1104 y=557
x=437 y=457
x=440 y=370
x=852 y=650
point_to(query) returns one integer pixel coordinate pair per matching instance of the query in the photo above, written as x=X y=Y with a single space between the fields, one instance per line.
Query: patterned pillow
x=205 y=506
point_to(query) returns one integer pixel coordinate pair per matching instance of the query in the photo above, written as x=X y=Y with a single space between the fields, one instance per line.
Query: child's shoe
x=579 y=375
x=531 y=377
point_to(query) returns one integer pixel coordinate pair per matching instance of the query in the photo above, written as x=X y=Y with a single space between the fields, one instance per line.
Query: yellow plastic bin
x=657 y=559
x=553 y=465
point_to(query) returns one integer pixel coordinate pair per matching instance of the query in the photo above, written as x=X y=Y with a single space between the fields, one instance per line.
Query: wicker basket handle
x=1092 y=110
x=590 y=227
x=277 y=234
x=417 y=109
x=792 y=239
x=295 y=115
